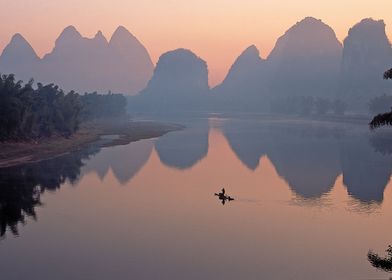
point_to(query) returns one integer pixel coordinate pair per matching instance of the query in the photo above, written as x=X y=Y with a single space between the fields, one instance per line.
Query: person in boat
x=222 y=196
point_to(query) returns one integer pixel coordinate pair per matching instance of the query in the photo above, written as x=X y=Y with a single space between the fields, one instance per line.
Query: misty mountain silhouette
x=131 y=64
x=82 y=64
x=179 y=83
x=367 y=54
x=308 y=60
x=305 y=60
x=244 y=83
x=19 y=57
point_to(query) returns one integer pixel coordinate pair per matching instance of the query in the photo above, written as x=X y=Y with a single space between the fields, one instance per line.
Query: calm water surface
x=311 y=200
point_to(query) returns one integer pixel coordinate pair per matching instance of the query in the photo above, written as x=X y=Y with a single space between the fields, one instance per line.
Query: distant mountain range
x=121 y=65
x=367 y=54
x=305 y=59
x=308 y=60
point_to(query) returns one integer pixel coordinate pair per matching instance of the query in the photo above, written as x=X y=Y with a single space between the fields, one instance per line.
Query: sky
x=216 y=30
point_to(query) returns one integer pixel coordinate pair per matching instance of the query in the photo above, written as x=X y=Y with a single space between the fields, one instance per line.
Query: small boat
x=223 y=197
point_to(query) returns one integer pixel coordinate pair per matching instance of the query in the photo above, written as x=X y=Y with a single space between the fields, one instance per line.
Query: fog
x=309 y=72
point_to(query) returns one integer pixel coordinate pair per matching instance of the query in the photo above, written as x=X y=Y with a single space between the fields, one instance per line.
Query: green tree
x=28 y=113
x=382 y=263
x=388 y=74
x=386 y=118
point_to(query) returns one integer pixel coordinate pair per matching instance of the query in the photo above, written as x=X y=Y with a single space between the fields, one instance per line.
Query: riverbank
x=12 y=154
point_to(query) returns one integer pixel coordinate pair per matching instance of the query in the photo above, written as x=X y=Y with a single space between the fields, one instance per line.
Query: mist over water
x=307 y=70
x=311 y=198
x=275 y=173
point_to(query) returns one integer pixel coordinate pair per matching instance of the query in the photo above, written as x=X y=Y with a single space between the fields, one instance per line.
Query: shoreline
x=19 y=153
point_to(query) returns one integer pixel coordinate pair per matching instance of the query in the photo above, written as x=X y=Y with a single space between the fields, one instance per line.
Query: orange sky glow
x=216 y=30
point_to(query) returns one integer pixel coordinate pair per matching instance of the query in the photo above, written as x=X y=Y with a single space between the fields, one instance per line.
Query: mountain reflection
x=125 y=161
x=305 y=156
x=366 y=173
x=248 y=143
x=309 y=157
x=21 y=187
x=183 y=149
x=309 y=163
x=380 y=140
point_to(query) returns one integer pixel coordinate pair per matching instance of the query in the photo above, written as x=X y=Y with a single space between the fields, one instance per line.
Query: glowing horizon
x=216 y=30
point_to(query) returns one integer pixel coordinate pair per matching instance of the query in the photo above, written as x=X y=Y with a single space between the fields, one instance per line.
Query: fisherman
x=222 y=196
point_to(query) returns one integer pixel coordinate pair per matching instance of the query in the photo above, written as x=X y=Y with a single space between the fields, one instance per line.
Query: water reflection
x=382 y=263
x=366 y=173
x=381 y=141
x=304 y=155
x=184 y=149
x=310 y=157
x=248 y=143
x=306 y=159
x=124 y=161
x=21 y=187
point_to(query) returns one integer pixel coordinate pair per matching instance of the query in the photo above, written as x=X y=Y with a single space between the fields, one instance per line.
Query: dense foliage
x=388 y=74
x=380 y=262
x=383 y=102
x=32 y=113
x=95 y=106
x=26 y=112
x=381 y=120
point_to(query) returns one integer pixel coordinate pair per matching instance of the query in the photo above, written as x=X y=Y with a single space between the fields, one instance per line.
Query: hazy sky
x=216 y=30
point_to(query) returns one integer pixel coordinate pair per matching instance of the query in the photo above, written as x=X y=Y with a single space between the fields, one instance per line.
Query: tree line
x=382 y=104
x=307 y=105
x=34 y=112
